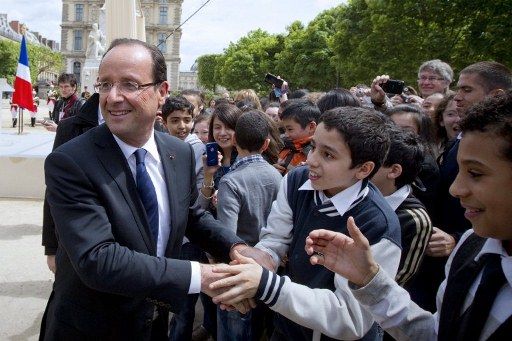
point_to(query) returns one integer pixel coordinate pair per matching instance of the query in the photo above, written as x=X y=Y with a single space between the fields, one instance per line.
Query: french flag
x=22 y=84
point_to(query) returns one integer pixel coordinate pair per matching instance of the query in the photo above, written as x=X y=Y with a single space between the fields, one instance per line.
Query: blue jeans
x=233 y=326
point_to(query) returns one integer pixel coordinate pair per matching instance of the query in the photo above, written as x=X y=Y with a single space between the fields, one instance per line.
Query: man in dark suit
x=122 y=197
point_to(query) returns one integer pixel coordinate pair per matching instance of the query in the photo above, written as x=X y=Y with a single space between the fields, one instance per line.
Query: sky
x=209 y=31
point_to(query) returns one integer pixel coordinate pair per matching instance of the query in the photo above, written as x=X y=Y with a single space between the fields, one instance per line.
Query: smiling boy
x=348 y=147
x=473 y=303
x=178 y=117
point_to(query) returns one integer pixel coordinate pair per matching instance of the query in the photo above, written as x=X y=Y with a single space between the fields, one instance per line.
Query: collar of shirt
x=247 y=159
x=344 y=200
x=492 y=245
x=150 y=146
x=100 y=117
x=397 y=198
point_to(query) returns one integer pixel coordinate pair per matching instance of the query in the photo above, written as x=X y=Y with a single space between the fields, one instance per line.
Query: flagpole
x=20 y=121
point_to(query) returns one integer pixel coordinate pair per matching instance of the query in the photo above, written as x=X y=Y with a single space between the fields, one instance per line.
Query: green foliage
x=206 y=66
x=354 y=42
x=41 y=59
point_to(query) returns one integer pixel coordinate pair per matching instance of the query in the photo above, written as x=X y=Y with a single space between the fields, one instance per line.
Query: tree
x=206 y=69
x=41 y=59
x=246 y=62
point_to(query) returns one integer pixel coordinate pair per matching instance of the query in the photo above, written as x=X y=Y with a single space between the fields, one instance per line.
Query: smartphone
x=393 y=86
x=212 y=158
x=271 y=79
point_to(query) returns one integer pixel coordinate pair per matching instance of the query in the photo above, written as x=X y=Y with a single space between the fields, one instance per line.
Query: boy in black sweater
x=394 y=180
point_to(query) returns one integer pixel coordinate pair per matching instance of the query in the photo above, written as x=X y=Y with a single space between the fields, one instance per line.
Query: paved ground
x=25 y=281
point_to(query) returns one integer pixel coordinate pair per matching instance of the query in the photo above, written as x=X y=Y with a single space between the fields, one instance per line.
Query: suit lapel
x=168 y=158
x=115 y=164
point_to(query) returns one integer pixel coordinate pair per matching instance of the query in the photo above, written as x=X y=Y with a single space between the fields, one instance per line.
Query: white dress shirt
x=156 y=173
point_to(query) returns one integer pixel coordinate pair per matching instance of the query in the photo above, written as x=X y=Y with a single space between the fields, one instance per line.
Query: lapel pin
x=172 y=156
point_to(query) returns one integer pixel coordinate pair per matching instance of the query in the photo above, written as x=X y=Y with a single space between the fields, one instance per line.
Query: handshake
x=234 y=286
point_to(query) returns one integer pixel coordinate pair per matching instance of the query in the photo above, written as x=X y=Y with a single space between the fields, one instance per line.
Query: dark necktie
x=493 y=279
x=147 y=192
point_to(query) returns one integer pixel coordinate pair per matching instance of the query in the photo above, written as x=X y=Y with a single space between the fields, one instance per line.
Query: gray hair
x=439 y=67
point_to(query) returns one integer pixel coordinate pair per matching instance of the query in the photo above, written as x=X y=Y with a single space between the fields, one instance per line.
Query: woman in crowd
x=446 y=125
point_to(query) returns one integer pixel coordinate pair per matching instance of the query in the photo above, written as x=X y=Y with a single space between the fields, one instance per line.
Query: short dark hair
x=337 y=98
x=492 y=115
x=251 y=130
x=492 y=74
x=422 y=121
x=302 y=111
x=365 y=132
x=157 y=58
x=406 y=150
x=299 y=93
x=227 y=114
x=174 y=103
x=67 y=78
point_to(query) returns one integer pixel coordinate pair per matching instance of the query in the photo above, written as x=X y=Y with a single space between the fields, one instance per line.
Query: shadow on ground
x=13 y=232
x=33 y=289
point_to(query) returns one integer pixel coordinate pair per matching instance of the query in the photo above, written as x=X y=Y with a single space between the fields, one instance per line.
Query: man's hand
x=50 y=260
x=349 y=257
x=260 y=256
x=441 y=244
x=376 y=93
x=243 y=281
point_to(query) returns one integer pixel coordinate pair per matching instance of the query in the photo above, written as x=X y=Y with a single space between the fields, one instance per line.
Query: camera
x=274 y=80
x=393 y=86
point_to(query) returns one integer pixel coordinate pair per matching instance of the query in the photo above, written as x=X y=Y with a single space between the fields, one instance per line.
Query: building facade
x=13 y=30
x=161 y=17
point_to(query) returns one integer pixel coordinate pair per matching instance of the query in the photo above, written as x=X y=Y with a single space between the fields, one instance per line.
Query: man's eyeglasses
x=124 y=87
x=430 y=79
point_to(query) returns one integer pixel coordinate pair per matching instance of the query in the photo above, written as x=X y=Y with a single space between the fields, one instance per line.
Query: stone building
x=161 y=18
x=188 y=79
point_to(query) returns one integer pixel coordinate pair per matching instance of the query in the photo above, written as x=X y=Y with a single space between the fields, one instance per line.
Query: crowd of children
x=358 y=181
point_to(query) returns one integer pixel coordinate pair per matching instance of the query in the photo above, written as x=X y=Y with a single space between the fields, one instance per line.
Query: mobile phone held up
x=271 y=79
x=393 y=86
x=212 y=158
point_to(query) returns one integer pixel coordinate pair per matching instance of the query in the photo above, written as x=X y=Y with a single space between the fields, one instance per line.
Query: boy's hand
x=243 y=281
x=261 y=257
x=441 y=244
x=349 y=257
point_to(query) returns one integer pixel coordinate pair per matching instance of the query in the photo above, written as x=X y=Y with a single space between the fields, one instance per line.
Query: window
x=163 y=1
x=79 y=12
x=78 y=40
x=163 y=15
x=162 y=45
x=77 y=68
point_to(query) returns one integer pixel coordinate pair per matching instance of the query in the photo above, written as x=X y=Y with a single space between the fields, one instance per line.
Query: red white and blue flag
x=22 y=84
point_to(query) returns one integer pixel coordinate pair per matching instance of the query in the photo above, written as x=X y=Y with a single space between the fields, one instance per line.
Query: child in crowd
x=299 y=120
x=201 y=126
x=178 y=117
x=348 y=147
x=394 y=179
x=245 y=197
x=473 y=302
x=196 y=97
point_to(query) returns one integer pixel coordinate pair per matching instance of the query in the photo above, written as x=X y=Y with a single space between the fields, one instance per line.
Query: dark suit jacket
x=107 y=272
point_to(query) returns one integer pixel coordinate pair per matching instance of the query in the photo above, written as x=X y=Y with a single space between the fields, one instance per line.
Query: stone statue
x=96 y=43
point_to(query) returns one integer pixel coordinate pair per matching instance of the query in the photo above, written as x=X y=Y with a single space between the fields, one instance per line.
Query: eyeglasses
x=123 y=87
x=431 y=79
